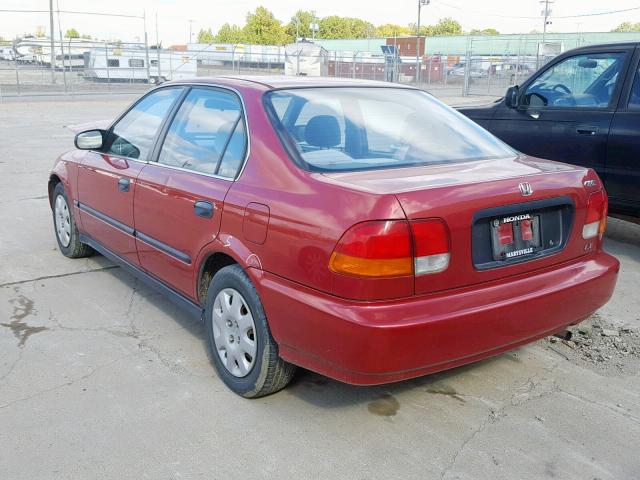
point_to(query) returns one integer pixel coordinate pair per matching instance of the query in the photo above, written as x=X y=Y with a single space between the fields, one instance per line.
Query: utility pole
x=190 y=32
x=546 y=13
x=158 y=48
x=53 y=46
x=418 y=62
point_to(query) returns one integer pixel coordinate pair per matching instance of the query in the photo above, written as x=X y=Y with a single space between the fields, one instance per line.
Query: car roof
x=598 y=46
x=275 y=82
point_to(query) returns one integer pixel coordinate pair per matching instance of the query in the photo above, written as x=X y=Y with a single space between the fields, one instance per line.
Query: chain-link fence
x=36 y=66
x=494 y=65
x=75 y=66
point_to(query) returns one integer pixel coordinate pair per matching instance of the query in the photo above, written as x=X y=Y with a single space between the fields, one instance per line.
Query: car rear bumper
x=381 y=342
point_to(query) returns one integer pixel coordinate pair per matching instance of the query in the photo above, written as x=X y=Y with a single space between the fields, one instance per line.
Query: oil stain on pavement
x=22 y=308
x=385 y=406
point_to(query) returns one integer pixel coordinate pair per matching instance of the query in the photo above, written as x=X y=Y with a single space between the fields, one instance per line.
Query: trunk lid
x=476 y=198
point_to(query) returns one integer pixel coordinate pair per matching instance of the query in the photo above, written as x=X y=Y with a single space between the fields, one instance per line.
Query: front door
x=565 y=111
x=107 y=179
x=623 y=152
x=180 y=196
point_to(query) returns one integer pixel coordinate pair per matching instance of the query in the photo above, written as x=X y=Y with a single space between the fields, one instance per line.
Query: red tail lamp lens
x=374 y=249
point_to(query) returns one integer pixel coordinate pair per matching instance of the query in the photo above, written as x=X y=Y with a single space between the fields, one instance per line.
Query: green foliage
x=72 y=33
x=230 y=34
x=205 y=36
x=445 y=26
x=392 y=30
x=300 y=24
x=627 y=27
x=345 y=27
x=263 y=28
x=486 y=31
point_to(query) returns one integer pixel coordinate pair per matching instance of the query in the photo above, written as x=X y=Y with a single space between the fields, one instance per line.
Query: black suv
x=583 y=107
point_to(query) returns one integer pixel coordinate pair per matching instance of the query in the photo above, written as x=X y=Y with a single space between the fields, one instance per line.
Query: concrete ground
x=100 y=377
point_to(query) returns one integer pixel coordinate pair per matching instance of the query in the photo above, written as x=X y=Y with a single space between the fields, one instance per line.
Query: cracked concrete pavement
x=101 y=377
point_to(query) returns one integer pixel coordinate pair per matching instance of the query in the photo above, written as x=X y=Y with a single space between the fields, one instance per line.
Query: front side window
x=341 y=129
x=134 y=134
x=582 y=81
x=113 y=62
x=207 y=134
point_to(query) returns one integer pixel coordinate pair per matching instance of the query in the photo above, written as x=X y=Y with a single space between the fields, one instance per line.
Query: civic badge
x=525 y=189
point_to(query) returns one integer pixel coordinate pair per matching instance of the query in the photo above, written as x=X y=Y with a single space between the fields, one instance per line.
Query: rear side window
x=207 y=134
x=134 y=134
x=113 y=62
x=365 y=128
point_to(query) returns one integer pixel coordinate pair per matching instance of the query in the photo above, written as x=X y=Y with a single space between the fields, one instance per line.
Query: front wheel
x=243 y=351
x=66 y=230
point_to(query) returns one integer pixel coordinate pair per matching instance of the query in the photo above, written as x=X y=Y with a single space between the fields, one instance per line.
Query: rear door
x=565 y=110
x=622 y=178
x=107 y=179
x=180 y=194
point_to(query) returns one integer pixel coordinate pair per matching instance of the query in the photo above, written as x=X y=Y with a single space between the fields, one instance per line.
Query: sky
x=174 y=15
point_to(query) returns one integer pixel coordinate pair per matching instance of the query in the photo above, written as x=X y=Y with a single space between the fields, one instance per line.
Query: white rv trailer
x=116 y=65
x=305 y=59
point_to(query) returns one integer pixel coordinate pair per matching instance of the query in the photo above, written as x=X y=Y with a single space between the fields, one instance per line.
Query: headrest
x=322 y=131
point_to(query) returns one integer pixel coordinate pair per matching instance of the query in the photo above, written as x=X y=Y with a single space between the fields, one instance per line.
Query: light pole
x=420 y=4
x=190 y=30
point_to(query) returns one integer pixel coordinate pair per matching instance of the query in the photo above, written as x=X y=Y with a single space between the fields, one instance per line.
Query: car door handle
x=123 y=184
x=589 y=131
x=203 y=208
x=534 y=115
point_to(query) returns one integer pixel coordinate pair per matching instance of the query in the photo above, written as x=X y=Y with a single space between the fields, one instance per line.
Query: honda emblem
x=525 y=189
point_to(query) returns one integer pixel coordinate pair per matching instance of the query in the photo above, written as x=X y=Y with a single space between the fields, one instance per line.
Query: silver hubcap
x=234 y=332
x=63 y=221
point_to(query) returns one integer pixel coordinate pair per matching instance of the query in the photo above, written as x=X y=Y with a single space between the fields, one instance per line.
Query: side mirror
x=90 y=140
x=511 y=98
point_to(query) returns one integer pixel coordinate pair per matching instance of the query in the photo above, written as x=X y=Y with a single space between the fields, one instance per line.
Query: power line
x=73 y=12
x=610 y=12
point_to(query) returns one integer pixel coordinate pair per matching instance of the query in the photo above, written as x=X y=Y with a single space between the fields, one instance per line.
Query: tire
x=65 y=228
x=242 y=349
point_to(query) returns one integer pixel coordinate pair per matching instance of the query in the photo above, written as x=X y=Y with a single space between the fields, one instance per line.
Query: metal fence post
x=106 y=56
x=15 y=60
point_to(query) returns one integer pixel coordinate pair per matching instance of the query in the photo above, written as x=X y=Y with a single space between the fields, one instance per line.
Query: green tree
x=263 y=28
x=392 y=30
x=230 y=34
x=72 y=33
x=627 y=27
x=486 y=31
x=300 y=24
x=445 y=26
x=205 y=36
x=345 y=27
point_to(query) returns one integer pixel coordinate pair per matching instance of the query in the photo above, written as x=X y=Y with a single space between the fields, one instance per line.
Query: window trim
x=616 y=96
x=164 y=130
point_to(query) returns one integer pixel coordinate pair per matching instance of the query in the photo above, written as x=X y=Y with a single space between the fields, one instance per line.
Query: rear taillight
x=392 y=248
x=431 y=246
x=595 y=221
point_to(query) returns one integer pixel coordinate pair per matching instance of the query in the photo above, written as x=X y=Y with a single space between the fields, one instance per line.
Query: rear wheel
x=64 y=224
x=243 y=351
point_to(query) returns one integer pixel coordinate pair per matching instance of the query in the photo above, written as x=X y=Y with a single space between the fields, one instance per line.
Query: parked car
x=362 y=230
x=583 y=108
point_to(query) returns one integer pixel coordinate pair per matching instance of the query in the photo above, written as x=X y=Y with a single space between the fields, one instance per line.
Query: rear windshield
x=346 y=129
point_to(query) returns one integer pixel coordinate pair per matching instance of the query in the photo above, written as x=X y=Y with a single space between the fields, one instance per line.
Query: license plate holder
x=525 y=236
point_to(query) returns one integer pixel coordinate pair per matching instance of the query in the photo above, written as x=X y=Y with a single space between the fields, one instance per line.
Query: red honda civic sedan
x=362 y=230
